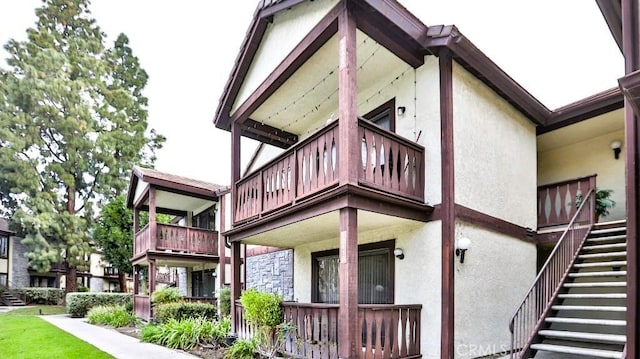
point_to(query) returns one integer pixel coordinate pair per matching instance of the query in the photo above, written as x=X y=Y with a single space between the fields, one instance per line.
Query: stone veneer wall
x=19 y=264
x=272 y=272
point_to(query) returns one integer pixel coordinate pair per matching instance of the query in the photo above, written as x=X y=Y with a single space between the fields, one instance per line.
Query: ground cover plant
x=114 y=315
x=186 y=333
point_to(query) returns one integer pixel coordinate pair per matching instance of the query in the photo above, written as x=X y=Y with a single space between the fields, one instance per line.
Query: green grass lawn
x=23 y=335
x=38 y=310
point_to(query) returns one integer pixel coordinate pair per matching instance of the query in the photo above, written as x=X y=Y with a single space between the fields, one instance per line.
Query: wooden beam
x=235 y=283
x=221 y=241
x=268 y=134
x=153 y=228
x=235 y=166
x=448 y=206
x=348 y=328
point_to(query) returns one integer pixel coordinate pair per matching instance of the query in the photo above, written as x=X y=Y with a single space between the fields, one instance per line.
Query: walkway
x=113 y=342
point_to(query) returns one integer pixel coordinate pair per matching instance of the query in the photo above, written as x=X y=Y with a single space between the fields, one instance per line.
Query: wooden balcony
x=387 y=163
x=387 y=330
x=177 y=239
x=557 y=202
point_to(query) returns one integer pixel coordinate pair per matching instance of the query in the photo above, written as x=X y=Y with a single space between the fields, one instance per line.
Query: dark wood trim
x=268 y=134
x=236 y=148
x=332 y=200
x=277 y=7
x=494 y=224
x=389 y=105
x=631 y=51
x=477 y=63
x=589 y=107
x=612 y=12
x=236 y=285
x=258 y=251
x=169 y=211
x=143 y=197
x=318 y=36
x=153 y=228
x=390 y=245
x=448 y=208
x=400 y=17
x=173 y=256
x=348 y=284
x=222 y=240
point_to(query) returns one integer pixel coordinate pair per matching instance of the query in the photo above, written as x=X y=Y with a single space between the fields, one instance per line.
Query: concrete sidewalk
x=113 y=342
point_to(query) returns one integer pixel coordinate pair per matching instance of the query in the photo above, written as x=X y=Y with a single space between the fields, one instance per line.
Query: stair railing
x=532 y=311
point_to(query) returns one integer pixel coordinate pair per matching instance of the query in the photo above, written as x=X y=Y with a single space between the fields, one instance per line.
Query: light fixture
x=616 y=146
x=399 y=253
x=461 y=247
x=401 y=110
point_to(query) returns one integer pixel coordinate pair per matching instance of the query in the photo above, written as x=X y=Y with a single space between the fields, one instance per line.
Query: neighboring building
x=5 y=250
x=391 y=151
x=188 y=249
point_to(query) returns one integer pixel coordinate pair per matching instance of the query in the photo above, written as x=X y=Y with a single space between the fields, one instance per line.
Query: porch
x=385 y=330
x=174 y=238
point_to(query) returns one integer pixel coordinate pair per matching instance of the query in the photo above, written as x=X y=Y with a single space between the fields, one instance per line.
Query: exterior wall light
x=616 y=146
x=399 y=253
x=401 y=110
x=461 y=247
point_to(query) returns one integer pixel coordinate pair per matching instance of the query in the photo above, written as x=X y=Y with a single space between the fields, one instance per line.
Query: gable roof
x=173 y=183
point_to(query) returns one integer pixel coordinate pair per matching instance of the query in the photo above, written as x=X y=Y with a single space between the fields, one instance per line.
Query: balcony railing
x=388 y=163
x=110 y=271
x=387 y=330
x=176 y=238
x=557 y=202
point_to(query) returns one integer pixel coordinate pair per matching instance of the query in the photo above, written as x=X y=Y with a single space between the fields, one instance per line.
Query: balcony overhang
x=173 y=259
x=630 y=86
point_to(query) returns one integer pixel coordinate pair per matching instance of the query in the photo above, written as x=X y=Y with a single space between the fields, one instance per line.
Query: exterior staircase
x=587 y=319
x=8 y=298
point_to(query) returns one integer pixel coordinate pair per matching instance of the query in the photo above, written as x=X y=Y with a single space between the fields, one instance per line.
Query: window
x=206 y=219
x=4 y=246
x=384 y=116
x=3 y=280
x=375 y=274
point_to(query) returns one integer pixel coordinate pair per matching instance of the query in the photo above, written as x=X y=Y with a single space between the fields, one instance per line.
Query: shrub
x=225 y=302
x=82 y=289
x=183 y=310
x=166 y=295
x=179 y=334
x=34 y=295
x=221 y=329
x=114 y=315
x=128 y=305
x=241 y=349
x=78 y=304
x=263 y=310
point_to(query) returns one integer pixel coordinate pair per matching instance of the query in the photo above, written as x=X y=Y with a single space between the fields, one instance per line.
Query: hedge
x=78 y=304
x=184 y=310
x=36 y=295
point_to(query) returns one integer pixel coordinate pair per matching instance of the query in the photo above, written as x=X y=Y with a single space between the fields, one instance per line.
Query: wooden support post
x=153 y=228
x=349 y=149
x=235 y=167
x=152 y=276
x=348 y=328
x=136 y=280
x=235 y=283
x=221 y=242
x=448 y=206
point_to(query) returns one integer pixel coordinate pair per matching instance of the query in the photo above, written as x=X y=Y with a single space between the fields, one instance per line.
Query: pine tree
x=73 y=122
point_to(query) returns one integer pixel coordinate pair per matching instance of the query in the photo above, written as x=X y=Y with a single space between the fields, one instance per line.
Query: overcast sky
x=560 y=51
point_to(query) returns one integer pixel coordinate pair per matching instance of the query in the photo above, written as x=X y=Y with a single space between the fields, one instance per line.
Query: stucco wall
x=496 y=273
x=417 y=276
x=282 y=35
x=494 y=153
x=593 y=156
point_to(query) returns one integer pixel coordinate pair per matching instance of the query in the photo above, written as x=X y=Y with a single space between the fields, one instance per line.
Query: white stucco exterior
x=494 y=153
x=592 y=156
x=496 y=273
x=288 y=28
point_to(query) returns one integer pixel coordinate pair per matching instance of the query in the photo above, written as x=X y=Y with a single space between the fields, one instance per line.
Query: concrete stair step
x=608 y=322
x=597 y=337
x=594 y=296
x=599 y=353
x=589 y=308
x=595 y=284
x=603 y=255
x=599 y=274
x=604 y=246
x=607 y=238
x=601 y=264
x=608 y=230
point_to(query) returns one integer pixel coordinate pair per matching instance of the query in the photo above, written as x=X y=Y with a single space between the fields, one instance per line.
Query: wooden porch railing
x=209 y=300
x=533 y=309
x=177 y=238
x=557 y=201
x=389 y=331
x=390 y=163
x=142 y=306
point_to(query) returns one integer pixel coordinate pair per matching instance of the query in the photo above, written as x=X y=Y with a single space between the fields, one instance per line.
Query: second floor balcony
x=173 y=238
x=388 y=164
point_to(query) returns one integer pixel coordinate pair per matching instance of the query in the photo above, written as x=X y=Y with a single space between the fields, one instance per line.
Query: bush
x=166 y=295
x=114 y=315
x=183 y=310
x=78 y=304
x=128 y=305
x=261 y=308
x=35 y=295
x=221 y=329
x=82 y=289
x=179 y=334
x=225 y=302
x=241 y=349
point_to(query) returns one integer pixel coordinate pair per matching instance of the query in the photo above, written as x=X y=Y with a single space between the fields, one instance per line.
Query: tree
x=113 y=233
x=73 y=122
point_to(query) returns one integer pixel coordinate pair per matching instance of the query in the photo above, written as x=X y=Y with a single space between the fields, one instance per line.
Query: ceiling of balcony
x=581 y=131
x=325 y=227
x=310 y=96
x=179 y=202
